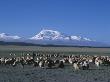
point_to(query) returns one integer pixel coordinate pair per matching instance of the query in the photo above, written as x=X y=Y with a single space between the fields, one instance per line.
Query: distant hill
x=16 y=43
x=42 y=45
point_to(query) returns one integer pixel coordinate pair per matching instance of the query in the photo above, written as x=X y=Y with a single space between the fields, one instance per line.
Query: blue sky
x=88 y=18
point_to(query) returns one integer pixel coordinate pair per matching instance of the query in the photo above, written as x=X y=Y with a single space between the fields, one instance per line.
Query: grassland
x=6 y=50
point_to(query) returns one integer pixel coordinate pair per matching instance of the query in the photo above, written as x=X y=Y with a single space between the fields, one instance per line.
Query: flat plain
x=5 y=50
x=68 y=74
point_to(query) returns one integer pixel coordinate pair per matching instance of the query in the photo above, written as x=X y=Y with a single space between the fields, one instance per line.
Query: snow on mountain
x=46 y=34
x=4 y=36
x=76 y=38
x=55 y=35
x=47 y=37
x=87 y=39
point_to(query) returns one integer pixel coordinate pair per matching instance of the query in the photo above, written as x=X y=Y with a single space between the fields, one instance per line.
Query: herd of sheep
x=78 y=62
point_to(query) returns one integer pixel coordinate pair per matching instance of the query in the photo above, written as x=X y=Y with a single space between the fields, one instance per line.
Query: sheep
x=41 y=64
x=76 y=66
x=85 y=65
x=98 y=62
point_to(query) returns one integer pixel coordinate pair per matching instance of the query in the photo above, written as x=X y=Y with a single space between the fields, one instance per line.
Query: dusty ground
x=68 y=74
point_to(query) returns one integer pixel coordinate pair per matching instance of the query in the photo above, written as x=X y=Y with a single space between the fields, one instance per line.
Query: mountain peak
x=47 y=34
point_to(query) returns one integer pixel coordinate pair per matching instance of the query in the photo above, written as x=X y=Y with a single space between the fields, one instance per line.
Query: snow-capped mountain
x=55 y=35
x=50 y=37
x=6 y=37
